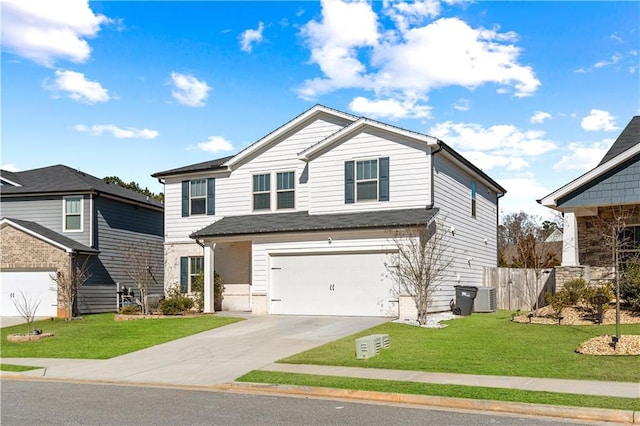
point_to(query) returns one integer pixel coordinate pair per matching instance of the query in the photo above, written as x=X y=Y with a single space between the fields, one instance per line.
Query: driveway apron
x=212 y=357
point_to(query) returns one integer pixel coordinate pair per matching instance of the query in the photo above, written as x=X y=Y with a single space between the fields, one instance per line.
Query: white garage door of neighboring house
x=36 y=285
x=354 y=284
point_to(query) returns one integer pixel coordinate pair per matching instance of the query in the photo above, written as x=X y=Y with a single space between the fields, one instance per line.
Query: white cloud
x=9 y=167
x=215 y=144
x=583 y=157
x=462 y=104
x=354 y=50
x=188 y=90
x=522 y=191
x=599 y=120
x=77 y=87
x=539 y=117
x=389 y=108
x=615 y=37
x=45 y=31
x=117 y=132
x=250 y=37
x=614 y=60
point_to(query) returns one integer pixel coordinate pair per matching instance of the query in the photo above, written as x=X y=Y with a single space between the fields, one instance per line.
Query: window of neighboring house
x=262 y=192
x=198 y=197
x=72 y=219
x=473 y=199
x=366 y=180
x=190 y=268
x=286 y=190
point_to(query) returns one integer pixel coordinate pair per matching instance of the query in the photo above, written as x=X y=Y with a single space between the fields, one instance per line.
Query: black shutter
x=185 y=198
x=384 y=179
x=211 y=196
x=349 y=182
x=184 y=274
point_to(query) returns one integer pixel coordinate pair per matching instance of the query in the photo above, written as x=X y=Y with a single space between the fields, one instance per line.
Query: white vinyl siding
x=72 y=214
x=409 y=174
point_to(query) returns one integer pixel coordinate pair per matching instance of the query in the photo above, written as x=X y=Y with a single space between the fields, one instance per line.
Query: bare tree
x=69 y=283
x=420 y=263
x=26 y=307
x=141 y=267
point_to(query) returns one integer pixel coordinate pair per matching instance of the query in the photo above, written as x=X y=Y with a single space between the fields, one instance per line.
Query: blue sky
x=534 y=93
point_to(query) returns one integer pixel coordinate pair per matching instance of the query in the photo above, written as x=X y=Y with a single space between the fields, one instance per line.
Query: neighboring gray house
x=593 y=202
x=302 y=221
x=54 y=216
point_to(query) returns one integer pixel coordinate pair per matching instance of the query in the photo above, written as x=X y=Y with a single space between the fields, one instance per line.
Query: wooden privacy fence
x=518 y=288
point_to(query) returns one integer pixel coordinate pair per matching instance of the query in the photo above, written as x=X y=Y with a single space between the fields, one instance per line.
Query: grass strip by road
x=454 y=391
x=98 y=336
x=486 y=344
x=16 y=368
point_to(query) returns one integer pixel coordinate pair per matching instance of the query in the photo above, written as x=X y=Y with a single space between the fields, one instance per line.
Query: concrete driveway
x=9 y=321
x=212 y=357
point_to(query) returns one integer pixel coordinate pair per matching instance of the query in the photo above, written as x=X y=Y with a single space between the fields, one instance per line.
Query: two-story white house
x=302 y=221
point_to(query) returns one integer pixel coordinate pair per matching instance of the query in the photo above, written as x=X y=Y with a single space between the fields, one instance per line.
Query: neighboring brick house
x=602 y=199
x=56 y=217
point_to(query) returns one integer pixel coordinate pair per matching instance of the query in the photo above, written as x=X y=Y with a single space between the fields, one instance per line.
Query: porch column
x=209 y=267
x=570 y=240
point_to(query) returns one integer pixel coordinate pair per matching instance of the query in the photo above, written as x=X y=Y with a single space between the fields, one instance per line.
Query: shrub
x=575 y=289
x=175 y=303
x=197 y=288
x=590 y=292
x=630 y=286
x=129 y=310
x=558 y=301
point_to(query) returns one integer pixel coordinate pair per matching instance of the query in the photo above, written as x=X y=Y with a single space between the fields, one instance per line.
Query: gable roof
x=47 y=235
x=629 y=137
x=625 y=148
x=304 y=222
x=9 y=178
x=65 y=180
x=211 y=165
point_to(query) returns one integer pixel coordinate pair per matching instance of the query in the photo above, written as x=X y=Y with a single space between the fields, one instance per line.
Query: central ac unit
x=486 y=300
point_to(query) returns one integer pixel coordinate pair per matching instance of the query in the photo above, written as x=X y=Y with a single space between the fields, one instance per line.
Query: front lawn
x=489 y=344
x=16 y=368
x=98 y=336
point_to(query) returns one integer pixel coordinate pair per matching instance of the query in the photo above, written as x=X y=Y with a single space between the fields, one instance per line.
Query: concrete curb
x=571 y=413
x=575 y=413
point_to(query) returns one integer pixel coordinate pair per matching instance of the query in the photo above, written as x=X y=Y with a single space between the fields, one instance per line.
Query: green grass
x=488 y=344
x=16 y=368
x=100 y=337
x=455 y=391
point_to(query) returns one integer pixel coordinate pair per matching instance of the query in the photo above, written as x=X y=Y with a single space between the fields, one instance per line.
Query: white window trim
x=286 y=190
x=64 y=213
x=356 y=181
x=253 y=204
x=192 y=198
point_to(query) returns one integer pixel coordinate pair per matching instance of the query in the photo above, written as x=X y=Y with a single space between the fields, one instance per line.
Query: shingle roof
x=629 y=137
x=304 y=222
x=48 y=234
x=63 y=179
x=199 y=167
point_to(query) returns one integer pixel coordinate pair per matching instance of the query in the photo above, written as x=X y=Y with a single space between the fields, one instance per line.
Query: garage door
x=354 y=284
x=35 y=286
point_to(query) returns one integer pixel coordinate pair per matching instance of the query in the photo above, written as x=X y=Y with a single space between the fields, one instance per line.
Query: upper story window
x=473 y=199
x=262 y=192
x=286 y=190
x=366 y=180
x=72 y=214
x=198 y=197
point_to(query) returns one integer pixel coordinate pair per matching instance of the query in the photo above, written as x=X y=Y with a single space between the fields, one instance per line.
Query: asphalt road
x=54 y=403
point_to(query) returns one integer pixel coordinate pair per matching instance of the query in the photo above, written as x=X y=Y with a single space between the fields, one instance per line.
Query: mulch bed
x=600 y=345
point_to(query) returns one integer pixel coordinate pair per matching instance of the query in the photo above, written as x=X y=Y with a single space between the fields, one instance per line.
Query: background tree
x=69 y=282
x=26 y=307
x=141 y=266
x=420 y=263
x=134 y=187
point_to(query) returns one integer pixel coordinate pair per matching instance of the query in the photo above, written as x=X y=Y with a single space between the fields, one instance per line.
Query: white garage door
x=354 y=284
x=36 y=285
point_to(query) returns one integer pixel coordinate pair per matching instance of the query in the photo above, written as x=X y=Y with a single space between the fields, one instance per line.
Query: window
x=366 y=180
x=629 y=242
x=473 y=199
x=286 y=190
x=190 y=269
x=198 y=197
x=262 y=192
x=72 y=220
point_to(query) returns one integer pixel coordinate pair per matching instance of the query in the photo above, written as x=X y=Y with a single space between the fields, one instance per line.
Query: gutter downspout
x=433 y=153
x=498 y=196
